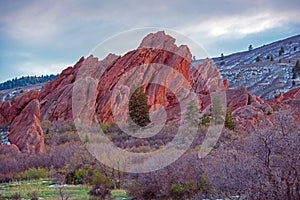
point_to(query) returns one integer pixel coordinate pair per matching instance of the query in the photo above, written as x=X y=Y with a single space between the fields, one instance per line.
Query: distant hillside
x=264 y=71
x=26 y=81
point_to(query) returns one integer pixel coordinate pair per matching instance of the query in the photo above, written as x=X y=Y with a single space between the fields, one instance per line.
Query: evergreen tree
x=216 y=111
x=138 y=108
x=281 y=51
x=86 y=139
x=296 y=68
x=25 y=81
x=257 y=59
x=222 y=56
x=294 y=75
x=192 y=114
x=250 y=48
x=229 y=123
x=205 y=120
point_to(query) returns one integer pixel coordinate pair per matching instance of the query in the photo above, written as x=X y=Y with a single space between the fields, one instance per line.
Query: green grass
x=46 y=191
x=119 y=194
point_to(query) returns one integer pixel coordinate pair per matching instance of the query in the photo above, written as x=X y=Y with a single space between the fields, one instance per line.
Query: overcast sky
x=43 y=37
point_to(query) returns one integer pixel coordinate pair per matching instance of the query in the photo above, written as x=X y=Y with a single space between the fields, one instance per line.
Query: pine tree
x=216 y=111
x=222 y=56
x=86 y=139
x=138 y=108
x=296 y=68
x=257 y=59
x=192 y=114
x=281 y=51
x=229 y=123
x=250 y=48
x=205 y=120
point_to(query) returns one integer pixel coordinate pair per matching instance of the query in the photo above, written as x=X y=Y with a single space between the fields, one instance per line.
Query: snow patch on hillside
x=255 y=69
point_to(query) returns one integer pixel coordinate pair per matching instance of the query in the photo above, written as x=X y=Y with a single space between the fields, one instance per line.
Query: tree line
x=25 y=81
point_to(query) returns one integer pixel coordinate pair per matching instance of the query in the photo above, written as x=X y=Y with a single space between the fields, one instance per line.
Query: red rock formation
x=5 y=113
x=25 y=129
x=226 y=83
x=158 y=60
x=205 y=78
x=158 y=50
x=155 y=60
x=293 y=94
x=246 y=108
x=21 y=101
x=86 y=91
x=289 y=100
x=56 y=96
x=95 y=81
x=237 y=98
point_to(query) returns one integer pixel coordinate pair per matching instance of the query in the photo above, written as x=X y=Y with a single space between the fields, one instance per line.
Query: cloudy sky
x=43 y=37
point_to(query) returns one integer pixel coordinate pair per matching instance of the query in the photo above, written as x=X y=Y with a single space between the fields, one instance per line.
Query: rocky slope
x=263 y=71
x=10 y=94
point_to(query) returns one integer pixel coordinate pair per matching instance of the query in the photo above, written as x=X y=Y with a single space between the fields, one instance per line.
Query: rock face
x=158 y=65
x=5 y=113
x=238 y=98
x=205 y=78
x=147 y=64
x=289 y=100
x=26 y=132
x=25 y=128
x=247 y=109
x=56 y=96
x=97 y=82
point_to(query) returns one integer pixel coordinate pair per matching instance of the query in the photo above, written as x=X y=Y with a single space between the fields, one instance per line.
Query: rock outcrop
x=289 y=100
x=56 y=96
x=26 y=132
x=157 y=61
x=25 y=128
x=158 y=64
x=5 y=113
x=99 y=87
x=94 y=90
x=247 y=109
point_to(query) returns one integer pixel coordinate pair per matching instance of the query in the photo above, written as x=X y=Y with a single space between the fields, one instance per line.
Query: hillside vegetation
x=26 y=81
